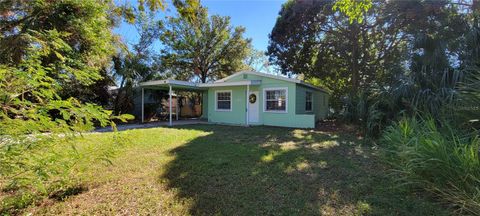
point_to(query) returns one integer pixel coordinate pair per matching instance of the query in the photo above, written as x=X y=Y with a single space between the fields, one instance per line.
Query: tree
x=312 y=39
x=398 y=57
x=206 y=48
x=257 y=61
x=45 y=46
x=83 y=28
x=354 y=9
x=131 y=67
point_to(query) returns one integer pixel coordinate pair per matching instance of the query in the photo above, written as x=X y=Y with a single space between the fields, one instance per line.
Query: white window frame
x=311 y=101
x=216 y=100
x=265 y=100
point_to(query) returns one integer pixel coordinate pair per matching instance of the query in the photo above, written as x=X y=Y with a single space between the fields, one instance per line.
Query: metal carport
x=169 y=85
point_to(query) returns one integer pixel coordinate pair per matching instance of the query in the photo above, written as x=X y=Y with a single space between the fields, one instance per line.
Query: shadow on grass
x=279 y=171
x=68 y=192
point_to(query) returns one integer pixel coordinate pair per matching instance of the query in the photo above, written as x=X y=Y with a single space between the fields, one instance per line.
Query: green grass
x=209 y=169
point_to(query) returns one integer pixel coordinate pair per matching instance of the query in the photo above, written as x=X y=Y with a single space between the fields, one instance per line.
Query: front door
x=253 y=107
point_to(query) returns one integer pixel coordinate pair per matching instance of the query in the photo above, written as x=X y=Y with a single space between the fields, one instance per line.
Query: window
x=308 y=101
x=276 y=100
x=223 y=101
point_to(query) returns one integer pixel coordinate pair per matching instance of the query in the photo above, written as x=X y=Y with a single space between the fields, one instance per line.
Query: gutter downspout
x=247 y=111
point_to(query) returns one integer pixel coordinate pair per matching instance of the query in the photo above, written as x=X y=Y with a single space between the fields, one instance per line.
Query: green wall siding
x=320 y=102
x=204 y=105
x=236 y=115
x=292 y=118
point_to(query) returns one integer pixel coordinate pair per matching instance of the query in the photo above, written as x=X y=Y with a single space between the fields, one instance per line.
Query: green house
x=253 y=98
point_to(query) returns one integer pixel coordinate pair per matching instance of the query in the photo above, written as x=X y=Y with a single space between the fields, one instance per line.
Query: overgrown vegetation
x=438 y=158
x=47 y=49
x=50 y=166
x=409 y=66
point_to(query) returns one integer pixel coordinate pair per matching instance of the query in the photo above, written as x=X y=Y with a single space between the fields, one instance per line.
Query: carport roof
x=164 y=84
x=177 y=84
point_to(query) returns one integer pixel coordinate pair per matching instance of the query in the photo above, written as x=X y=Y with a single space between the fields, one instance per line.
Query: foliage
x=388 y=60
x=354 y=9
x=76 y=34
x=48 y=165
x=131 y=67
x=256 y=60
x=85 y=26
x=45 y=46
x=440 y=159
x=206 y=48
x=399 y=59
x=310 y=38
x=34 y=122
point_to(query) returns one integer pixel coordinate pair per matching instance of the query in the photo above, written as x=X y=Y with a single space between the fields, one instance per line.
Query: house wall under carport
x=150 y=102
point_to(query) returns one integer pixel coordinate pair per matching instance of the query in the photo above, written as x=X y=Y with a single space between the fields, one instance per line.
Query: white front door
x=253 y=107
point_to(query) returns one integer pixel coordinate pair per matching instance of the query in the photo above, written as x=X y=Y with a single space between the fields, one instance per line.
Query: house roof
x=238 y=83
x=223 y=82
x=272 y=77
x=164 y=84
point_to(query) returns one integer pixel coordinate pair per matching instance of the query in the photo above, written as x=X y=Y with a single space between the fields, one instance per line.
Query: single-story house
x=253 y=98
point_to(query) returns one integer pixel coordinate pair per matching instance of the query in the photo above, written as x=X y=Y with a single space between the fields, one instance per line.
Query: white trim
x=271 y=76
x=259 y=74
x=170 y=92
x=311 y=101
x=216 y=102
x=265 y=99
x=239 y=83
x=168 y=81
x=222 y=82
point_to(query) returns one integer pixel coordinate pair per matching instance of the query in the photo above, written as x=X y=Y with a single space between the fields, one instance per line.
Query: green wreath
x=252 y=98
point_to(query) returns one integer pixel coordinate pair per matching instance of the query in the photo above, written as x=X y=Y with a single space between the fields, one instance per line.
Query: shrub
x=438 y=159
x=38 y=153
x=47 y=166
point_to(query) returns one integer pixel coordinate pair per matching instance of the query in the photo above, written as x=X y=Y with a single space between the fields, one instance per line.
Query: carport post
x=170 y=105
x=143 y=111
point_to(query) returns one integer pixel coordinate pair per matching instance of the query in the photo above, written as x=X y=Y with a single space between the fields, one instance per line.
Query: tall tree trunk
x=203 y=76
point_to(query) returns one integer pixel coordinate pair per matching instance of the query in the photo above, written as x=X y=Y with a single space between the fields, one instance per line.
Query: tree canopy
x=314 y=39
x=205 y=48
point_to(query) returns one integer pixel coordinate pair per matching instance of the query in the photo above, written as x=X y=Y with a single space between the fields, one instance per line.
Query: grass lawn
x=226 y=170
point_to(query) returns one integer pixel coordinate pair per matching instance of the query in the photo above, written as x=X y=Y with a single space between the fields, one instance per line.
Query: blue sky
x=258 y=17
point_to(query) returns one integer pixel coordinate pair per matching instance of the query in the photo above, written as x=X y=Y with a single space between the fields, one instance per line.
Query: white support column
x=248 y=94
x=170 y=105
x=143 y=107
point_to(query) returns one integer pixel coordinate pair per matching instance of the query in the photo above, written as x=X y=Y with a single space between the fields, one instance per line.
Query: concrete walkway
x=150 y=125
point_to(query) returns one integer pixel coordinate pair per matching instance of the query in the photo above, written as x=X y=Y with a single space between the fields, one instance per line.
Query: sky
x=257 y=16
